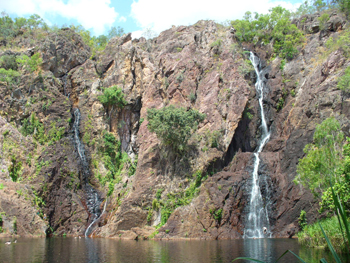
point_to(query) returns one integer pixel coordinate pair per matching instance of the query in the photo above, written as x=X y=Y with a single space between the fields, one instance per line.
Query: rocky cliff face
x=200 y=67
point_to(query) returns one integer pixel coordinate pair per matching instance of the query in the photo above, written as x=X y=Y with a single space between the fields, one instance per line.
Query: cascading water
x=258 y=225
x=93 y=200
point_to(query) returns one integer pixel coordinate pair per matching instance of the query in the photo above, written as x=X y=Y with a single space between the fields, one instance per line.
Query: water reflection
x=109 y=250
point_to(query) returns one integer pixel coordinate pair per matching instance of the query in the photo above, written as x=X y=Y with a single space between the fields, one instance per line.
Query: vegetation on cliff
x=174 y=126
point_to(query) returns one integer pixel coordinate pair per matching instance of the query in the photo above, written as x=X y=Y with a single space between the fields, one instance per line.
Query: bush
x=9 y=76
x=344 y=81
x=112 y=97
x=323 y=162
x=8 y=62
x=275 y=27
x=302 y=220
x=323 y=19
x=174 y=126
x=32 y=62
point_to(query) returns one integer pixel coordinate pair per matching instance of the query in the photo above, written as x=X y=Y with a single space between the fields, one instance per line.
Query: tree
x=112 y=97
x=174 y=126
x=324 y=157
x=115 y=32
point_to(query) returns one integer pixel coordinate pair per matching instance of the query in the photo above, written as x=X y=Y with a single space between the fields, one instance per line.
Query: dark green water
x=110 y=250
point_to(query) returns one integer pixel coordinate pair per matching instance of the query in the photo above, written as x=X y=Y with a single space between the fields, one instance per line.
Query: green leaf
x=330 y=246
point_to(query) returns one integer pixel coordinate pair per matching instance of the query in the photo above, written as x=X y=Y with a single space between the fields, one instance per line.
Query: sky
x=137 y=15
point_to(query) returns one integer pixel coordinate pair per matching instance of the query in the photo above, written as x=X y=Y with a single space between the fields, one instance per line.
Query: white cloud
x=89 y=13
x=161 y=15
x=122 y=19
x=137 y=34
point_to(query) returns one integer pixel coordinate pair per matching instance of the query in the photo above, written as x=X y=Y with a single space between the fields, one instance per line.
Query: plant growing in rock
x=112 y=97
x=174 y=126
x=32 y=62
x=9 y=76
x=344 y=81
x=323 y=19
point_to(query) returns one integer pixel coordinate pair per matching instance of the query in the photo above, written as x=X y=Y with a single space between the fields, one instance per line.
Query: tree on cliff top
x=174 y=126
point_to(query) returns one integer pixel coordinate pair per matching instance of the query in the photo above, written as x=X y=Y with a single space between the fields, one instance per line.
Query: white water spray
x=258 y=224
x=97 y=217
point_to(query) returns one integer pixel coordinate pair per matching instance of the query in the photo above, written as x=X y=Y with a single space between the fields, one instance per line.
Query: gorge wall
x=199 y=67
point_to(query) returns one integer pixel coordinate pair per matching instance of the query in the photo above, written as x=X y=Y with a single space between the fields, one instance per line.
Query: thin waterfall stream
x=93 y=200
x=258 y=225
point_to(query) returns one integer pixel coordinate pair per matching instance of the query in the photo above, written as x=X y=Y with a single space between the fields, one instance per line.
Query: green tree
x=115 y=32
x=174 y=126
x=324 y=157
x=112 y=98
x=344 y=81
x=275 y=27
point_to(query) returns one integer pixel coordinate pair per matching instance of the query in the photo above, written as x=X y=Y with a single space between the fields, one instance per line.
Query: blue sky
x=137 y=15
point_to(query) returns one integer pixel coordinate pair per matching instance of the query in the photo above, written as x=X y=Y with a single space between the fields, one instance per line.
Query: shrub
x=174 y=126
x=344 y=81
x=216 y=43
x=32 y=63
x=302 y=220
x=112 y=97
x=324 y=157
x=15 y=169
x=8 y=62
x=275 y=27
x=9 y=76
x=323 y=19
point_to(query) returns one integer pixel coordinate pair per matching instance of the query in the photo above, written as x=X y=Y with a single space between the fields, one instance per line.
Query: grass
x=312 y=235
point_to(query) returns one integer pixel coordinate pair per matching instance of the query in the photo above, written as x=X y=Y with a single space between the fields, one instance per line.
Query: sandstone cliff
x=200 y=67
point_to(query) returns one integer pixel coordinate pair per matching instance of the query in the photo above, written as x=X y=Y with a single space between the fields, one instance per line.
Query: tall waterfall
x=93 y=200
x=257 y=225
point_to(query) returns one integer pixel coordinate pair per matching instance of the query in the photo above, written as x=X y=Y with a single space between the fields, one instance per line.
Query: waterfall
x=257 y=225
x=93 y=201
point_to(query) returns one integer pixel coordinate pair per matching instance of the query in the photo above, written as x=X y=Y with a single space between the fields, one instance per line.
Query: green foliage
x=344 y=81
x=216 y=213
x=159 y=193
x=192 y=97
x=212 y=138
x=153 y=234
x=323 y=19
x=15 y=169
x=9 y=76
x=312 y=234
x=174 y=126
x=280 y=104
x=112 y=96
x=149 y=215
x=342 y=190
x=341 y=41
x=275 y=27
x=182 y=198
x=115 y=32
x=1 y=186
x=323 y=157
x=8 y=62
x=246 y=67
x=115 y=161
x=216 y=43
x=32 y=126
x=32 y=62
x=302 y=220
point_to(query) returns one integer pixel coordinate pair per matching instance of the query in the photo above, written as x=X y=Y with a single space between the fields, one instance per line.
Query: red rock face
x=197 y=67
